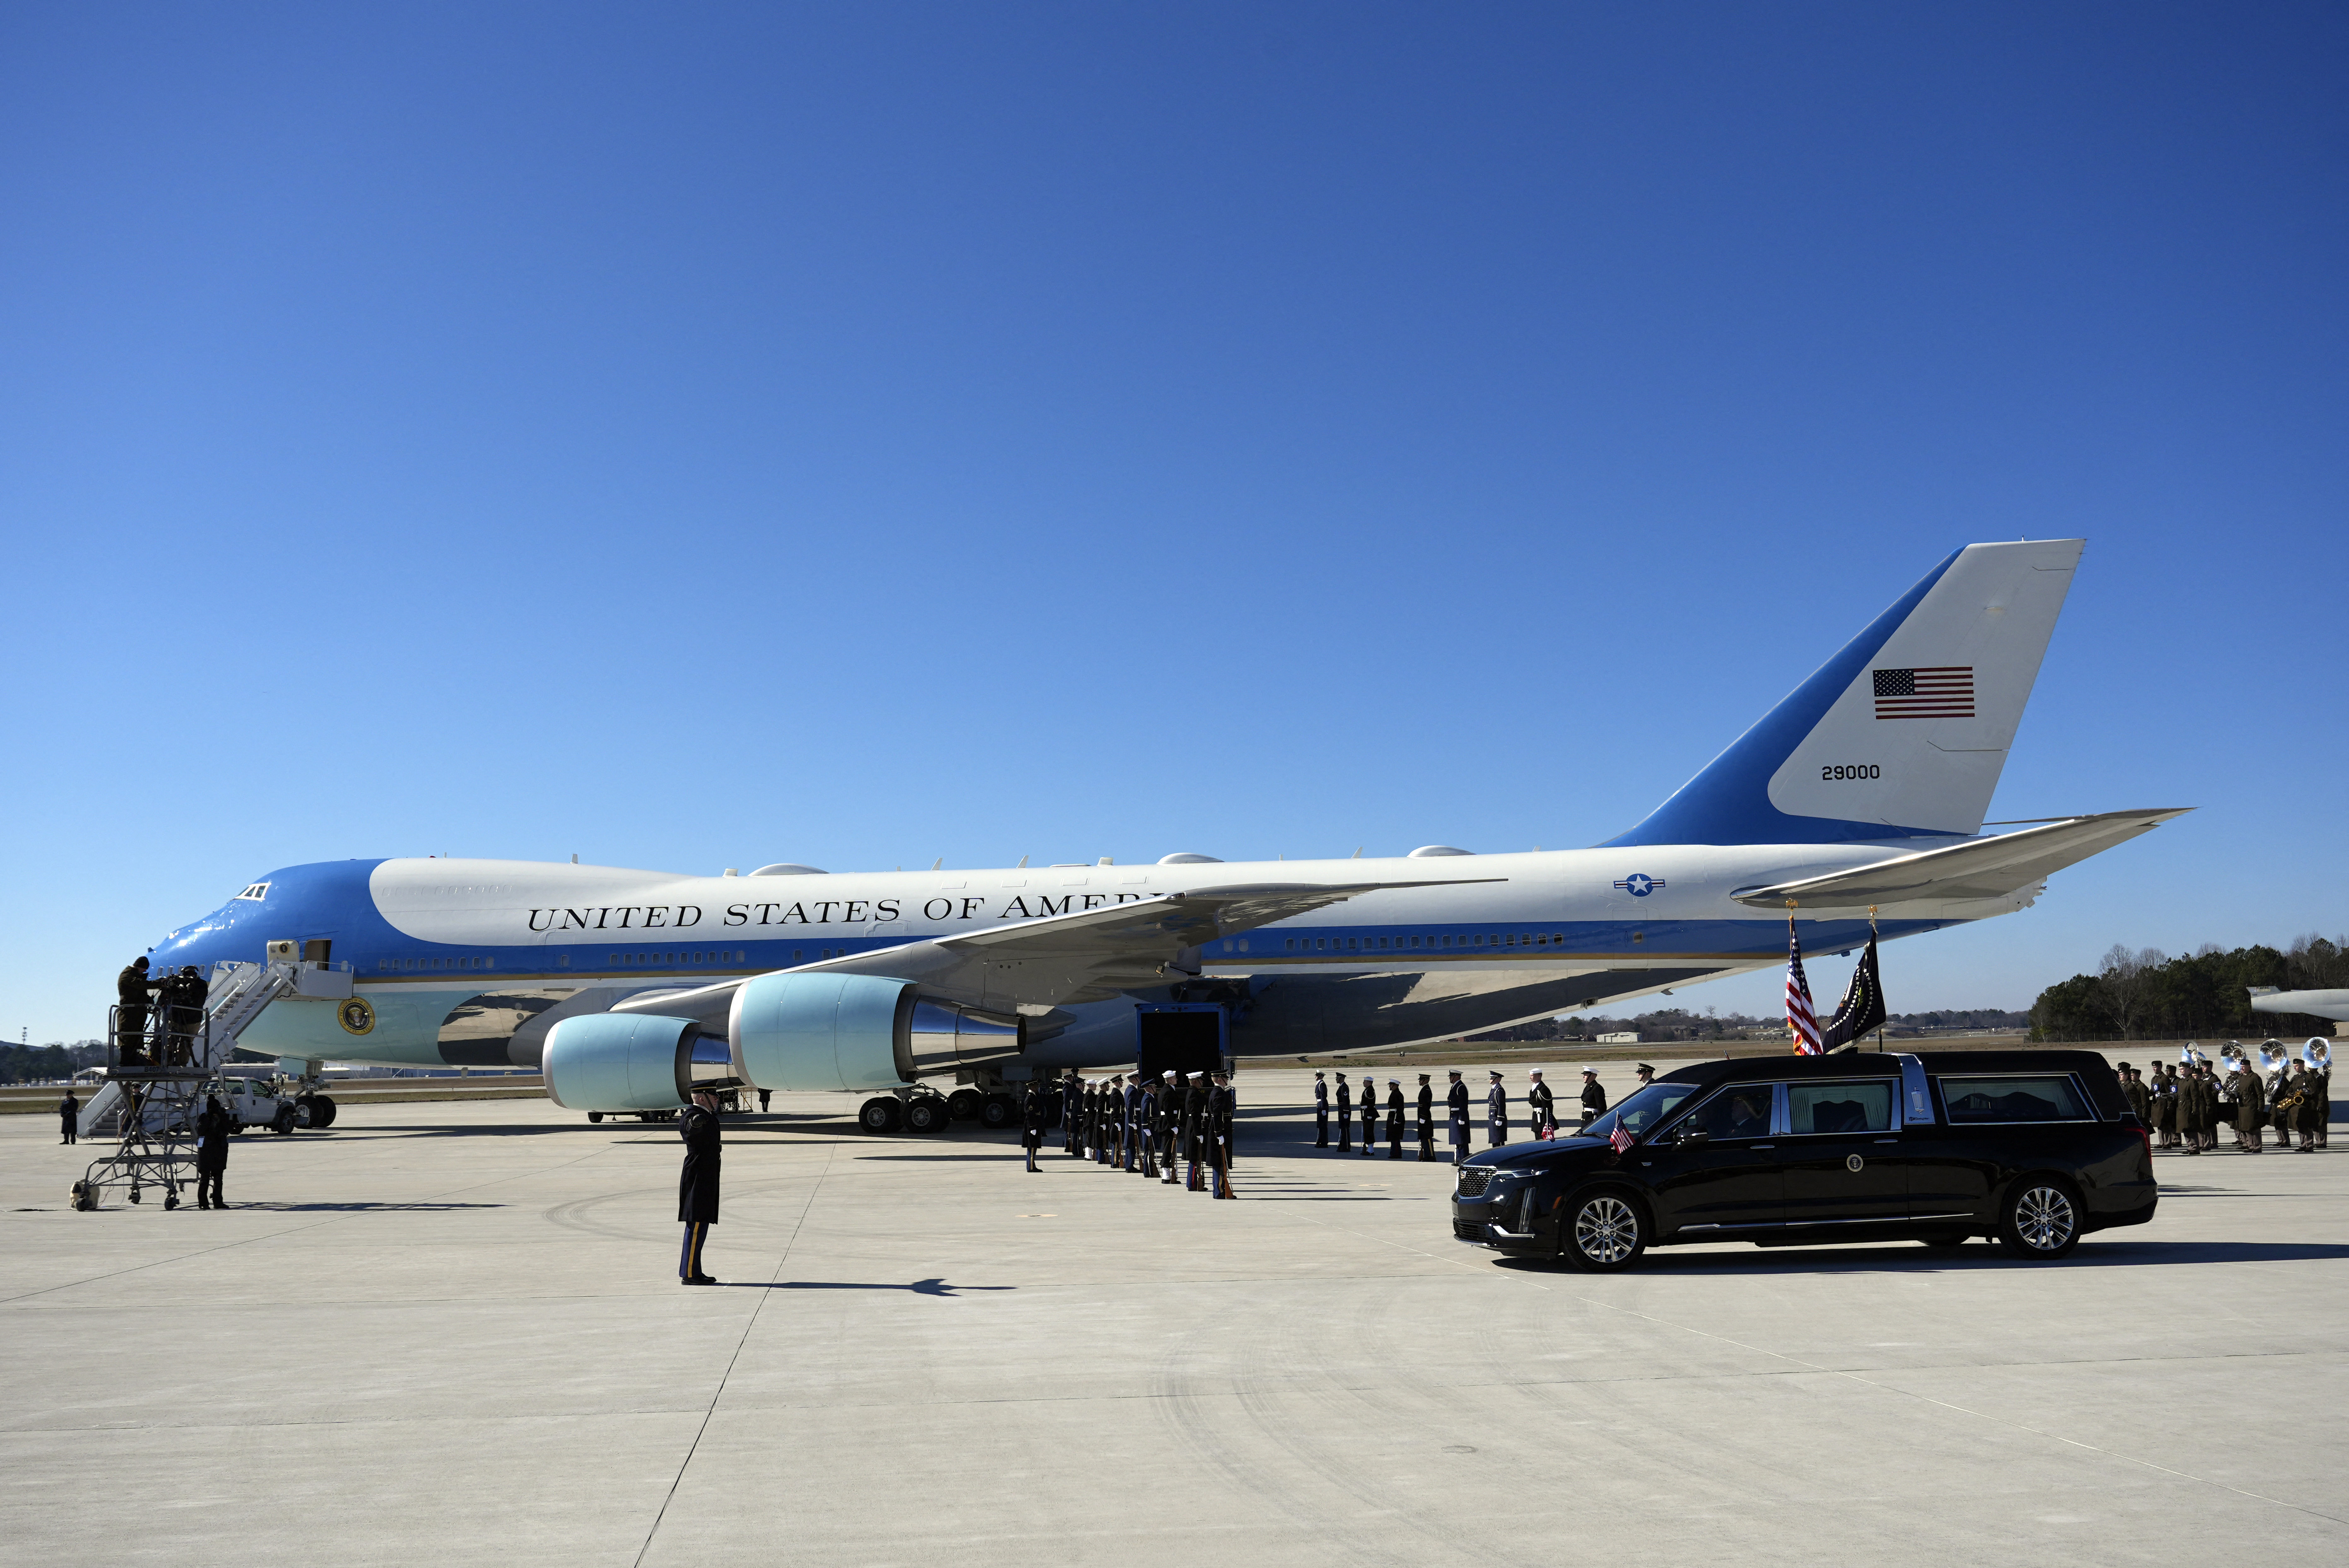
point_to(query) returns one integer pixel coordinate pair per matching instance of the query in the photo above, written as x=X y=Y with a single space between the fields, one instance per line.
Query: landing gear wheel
x=2041 y=1220
x=927 y=1114
x=882 y=1113
x=594 y=1116
x=963 y=1104
x=1604 y=1232
x=304 y=1114
x=323 y=1110
x=998 y=1111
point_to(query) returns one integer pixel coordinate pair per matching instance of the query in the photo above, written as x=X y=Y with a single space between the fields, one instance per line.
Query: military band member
x=1370 y=1116
x=2250 y=1110
x=1320 y=1111
x=1345 y=1115
x=1395 y=1118
x=1538 y=1102
x=1426 y=1120
x=1455 y=1112
x=1496 y=1112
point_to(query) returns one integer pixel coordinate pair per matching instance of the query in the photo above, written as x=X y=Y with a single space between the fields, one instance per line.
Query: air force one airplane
x=1864 y=789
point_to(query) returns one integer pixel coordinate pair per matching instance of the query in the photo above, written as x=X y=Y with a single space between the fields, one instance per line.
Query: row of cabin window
x=1357 y=943
x=676 y=960
x=461 y=962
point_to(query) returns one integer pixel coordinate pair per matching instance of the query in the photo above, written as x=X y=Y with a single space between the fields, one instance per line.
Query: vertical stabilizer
x=1904 y=732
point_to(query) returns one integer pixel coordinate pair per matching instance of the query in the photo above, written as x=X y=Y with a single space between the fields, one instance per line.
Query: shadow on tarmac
x=1909 y=1258
x=919 y=1287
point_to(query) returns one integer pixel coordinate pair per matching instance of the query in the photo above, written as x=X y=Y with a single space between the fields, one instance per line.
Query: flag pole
x=1871 y=938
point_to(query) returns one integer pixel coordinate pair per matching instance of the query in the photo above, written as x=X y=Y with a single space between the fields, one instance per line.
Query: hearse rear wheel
x=1603 y=1233
x=2041 y=1220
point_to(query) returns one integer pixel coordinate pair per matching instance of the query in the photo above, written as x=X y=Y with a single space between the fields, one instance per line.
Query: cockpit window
x=1643 y=1110
x=257 y=893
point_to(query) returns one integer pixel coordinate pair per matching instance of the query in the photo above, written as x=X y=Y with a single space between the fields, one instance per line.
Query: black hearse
x=2034 y=1147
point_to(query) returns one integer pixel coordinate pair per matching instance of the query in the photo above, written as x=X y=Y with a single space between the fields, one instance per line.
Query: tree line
x=31 y=1064
x=2144 y=994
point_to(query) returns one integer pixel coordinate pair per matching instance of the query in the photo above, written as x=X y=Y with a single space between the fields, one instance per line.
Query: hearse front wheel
x=1603 y=1232
x=2041 y=1220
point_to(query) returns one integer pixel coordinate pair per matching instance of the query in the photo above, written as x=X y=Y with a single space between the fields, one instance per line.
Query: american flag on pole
x=1620 y=1138
x=1928 y=691
x=1802 y=1018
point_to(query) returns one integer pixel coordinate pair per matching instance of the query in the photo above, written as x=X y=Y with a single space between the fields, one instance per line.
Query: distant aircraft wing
x=1084 y=956
x=1979 y=868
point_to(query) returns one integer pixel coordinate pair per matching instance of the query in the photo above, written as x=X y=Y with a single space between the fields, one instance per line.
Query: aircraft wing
x=1976 y=869
x=1034 y=965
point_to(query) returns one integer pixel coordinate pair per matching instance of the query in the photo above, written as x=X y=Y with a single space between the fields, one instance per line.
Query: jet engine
x=801 y=1031
x=624 y=1061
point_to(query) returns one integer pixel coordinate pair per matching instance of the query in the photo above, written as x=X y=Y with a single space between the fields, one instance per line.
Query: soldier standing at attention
x=696 y=1184
x=1496 y=1112
x=1195 y=1130
x=1072 y=1105
x=2134 y=1092
x=1426 y=1120
x=1594 y=1098
x=211 y=1154
x=1456 y=1110
x=1167 y=1118
x=1395 y=1118
x=1145 y=1128
x=68 y=1118
x=1538 y=1108
x=130 y=990
x=1370 y=1116
x=1345 y=1115
x=1646 y=1073
x=1222 y=1109
x=1032 y=1117
x=1320 y=1111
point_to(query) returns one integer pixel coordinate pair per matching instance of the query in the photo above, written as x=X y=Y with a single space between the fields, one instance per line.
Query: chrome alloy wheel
x=2044 y=1219
x=1606 y=1230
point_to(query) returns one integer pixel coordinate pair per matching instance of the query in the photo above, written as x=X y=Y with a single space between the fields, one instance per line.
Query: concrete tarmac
x=452 y=1334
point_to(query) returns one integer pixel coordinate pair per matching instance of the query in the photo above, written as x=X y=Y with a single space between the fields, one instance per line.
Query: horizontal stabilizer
x=1976 y=869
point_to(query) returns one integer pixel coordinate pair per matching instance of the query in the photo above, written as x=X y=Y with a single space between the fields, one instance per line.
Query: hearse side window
x=1743 y=1110
x=1864 y=1107
x=2050 y=1099
x=1642 y=1109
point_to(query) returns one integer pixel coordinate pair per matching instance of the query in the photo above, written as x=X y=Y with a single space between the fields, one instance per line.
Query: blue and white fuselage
x=1865 y=789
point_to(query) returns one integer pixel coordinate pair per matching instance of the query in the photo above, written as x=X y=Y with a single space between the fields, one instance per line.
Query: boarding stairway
x=238 y=994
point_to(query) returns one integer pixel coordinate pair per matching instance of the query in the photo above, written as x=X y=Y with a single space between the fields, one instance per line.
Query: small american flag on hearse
x=1941 y=691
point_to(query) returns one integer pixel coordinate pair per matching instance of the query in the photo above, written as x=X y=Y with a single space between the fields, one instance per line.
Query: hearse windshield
x=1642 y=1110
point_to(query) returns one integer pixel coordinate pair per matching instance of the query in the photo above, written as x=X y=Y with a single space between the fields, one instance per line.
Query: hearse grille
x=1474 y=1180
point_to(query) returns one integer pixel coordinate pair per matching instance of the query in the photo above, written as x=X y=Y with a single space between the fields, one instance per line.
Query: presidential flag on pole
x=1802 y=1018
x=1863 y=1005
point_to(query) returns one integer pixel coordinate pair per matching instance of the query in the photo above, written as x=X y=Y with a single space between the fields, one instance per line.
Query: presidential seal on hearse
x=2035 y=1149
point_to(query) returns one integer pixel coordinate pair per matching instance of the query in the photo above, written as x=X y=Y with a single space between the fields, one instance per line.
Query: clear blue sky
x=696 y=436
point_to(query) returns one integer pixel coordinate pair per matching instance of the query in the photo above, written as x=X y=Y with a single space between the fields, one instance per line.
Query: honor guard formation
x=1153 y=1127
x=1541 y=1114
x=2185 y=1103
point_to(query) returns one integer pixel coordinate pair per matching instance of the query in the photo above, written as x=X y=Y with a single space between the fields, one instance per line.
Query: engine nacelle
x=803 y=1032
x=620 y=1061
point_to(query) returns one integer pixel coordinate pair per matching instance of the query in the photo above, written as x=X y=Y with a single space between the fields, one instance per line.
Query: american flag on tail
x=1802 y=1018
